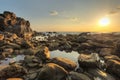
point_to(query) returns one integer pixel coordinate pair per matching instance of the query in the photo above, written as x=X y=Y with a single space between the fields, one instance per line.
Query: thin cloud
x=74 y=19
x=53 y=13
x=114 y=11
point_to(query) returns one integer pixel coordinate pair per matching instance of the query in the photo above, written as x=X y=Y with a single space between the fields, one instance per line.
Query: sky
x=66 y=15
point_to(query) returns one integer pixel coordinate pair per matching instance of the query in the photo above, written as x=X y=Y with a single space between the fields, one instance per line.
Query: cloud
x=53 y=13
x=114 y=11
x=74 y=19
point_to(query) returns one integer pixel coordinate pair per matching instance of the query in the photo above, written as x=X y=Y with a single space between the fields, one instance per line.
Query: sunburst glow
x=104 y=21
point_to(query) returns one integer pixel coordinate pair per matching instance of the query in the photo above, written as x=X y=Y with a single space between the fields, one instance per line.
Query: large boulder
x=113 y=67
x=10 y=23
x=68 y=64
x=88 y=60
x=52 y=71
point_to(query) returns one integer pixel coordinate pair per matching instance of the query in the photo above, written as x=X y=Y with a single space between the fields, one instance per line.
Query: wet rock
x=10 y=23
x=13 y=46
x=53 y=45
x=117 y=49
x=84 y=46
x=13 y=71
x=78 y=76
x=105 y=52
x=100 y=75
x=31 y=76
x=10 y=50
x=98 y=45
x=113 y=67
x=2 y=43
x=111 y=57
x=29 y=61
x=65 y=46
x=43 y=54
x=82 y=39
x=26 y=51
x=68 y=64
x=88 y=60
x=14 y=79
x=52 y=71
x=26 y=44
x=1 y=36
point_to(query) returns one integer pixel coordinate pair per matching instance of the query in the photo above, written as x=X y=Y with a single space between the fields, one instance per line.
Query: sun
x=104 y=21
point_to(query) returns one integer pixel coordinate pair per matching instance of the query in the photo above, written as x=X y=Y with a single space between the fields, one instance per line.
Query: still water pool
x=73 y=56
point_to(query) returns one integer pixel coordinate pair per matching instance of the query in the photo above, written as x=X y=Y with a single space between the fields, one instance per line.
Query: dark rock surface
x=67 y=64
x=13 y=71
x=88 y=60
x=52 y=71
x=11 y=23
x=78 y=76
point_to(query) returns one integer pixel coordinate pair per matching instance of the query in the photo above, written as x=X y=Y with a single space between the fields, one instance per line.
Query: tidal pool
x=72 y=56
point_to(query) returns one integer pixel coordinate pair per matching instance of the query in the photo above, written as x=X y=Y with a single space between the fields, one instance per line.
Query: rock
x=100 y=75
x=43 y=54
x=14 y=36
x=105 y=52
x=14 y=79
x=67 y=64
x=13 y=71
x=113 y=67
x=117 y=49
x=53 y=45
x=98 y=45
x=10 y=23
x=10 y=50
x=26 y=44
x=82 y=39
x=84 y=46
x=88 y=60
x=52 y=71
x=27 y=51
x=13 y=45
x=28 y=61
x=78 y=76
x=65 y=46
x=32 y=76
x=2 y=43
x=111 y=57
x=1 y=36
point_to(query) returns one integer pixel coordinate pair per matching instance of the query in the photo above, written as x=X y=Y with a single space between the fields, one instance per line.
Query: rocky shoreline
x=99 y=54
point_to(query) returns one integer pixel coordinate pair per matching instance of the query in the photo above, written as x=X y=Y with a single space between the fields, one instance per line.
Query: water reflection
x=73 y=56
x=16 y=59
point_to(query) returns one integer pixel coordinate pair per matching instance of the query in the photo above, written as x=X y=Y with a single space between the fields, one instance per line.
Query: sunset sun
x=104 y=21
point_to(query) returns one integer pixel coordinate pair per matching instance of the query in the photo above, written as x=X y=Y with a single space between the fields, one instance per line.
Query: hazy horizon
x=67 y=15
